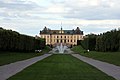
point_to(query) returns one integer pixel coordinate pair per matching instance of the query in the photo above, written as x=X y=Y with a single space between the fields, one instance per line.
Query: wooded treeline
x=14 y=41
x=109 y=41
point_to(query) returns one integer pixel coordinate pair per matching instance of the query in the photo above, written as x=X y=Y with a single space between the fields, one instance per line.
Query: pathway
x=107 y=68
x=9 y=70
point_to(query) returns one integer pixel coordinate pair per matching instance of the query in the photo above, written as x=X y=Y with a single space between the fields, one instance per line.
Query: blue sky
x=30 y=16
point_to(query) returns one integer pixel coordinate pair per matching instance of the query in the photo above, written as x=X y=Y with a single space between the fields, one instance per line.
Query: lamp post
x=88 y=45
x=50 y=41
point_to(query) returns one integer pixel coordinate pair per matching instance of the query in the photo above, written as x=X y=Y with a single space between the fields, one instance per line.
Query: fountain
x=61 y=48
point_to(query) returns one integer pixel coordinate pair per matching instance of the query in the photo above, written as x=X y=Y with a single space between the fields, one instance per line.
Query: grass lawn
x=110 y=57
x=9 y=57
x=78 y=49
x=61 y=67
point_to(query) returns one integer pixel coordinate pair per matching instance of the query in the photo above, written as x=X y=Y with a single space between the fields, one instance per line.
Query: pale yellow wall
x=47 y=38
x=53 y=38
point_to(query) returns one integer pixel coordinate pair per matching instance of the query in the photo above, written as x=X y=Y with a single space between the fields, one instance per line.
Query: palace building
x=67 y=37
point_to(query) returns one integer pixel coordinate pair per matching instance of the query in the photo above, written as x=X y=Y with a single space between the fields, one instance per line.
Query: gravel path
x=9 y=70
x=107 y=68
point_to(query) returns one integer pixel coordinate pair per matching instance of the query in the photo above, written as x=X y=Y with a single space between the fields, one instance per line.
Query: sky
x=31 y=16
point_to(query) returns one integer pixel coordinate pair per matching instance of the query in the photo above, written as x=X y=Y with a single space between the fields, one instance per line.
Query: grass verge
x=9 y=57
x=61 y=67
x=110 y=57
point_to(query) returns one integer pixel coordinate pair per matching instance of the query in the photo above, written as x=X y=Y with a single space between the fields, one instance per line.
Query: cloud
x=89 y=15
x=17 y=5
x=17 y=9
x=90 y=9
x=65 y=9
x=92 y=13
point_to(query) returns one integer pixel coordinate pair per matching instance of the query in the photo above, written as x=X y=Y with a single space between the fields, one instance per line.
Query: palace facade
x=67 y=37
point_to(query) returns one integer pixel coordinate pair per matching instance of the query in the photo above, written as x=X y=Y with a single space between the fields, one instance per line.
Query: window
x=65 y=36
x=68 y=32
x=77 y=37
x=61 y=36
x=54 y=32
x=74 y=41
x=61 y=41
x=65 y=41
x=57 y=36
x=80 y=36
x=71 y=40
x=57 y=41
x=74 y=36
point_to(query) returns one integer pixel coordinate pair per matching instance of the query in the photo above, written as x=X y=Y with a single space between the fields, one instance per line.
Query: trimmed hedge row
x=13 y=41
x=109 y=41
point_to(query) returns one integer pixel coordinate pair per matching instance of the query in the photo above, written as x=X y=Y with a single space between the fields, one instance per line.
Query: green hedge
x=13 y=41
x=109 y=41
x=89 y=42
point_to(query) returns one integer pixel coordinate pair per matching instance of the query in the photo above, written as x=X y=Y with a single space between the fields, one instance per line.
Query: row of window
x=62 y=37
x=62 y=41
